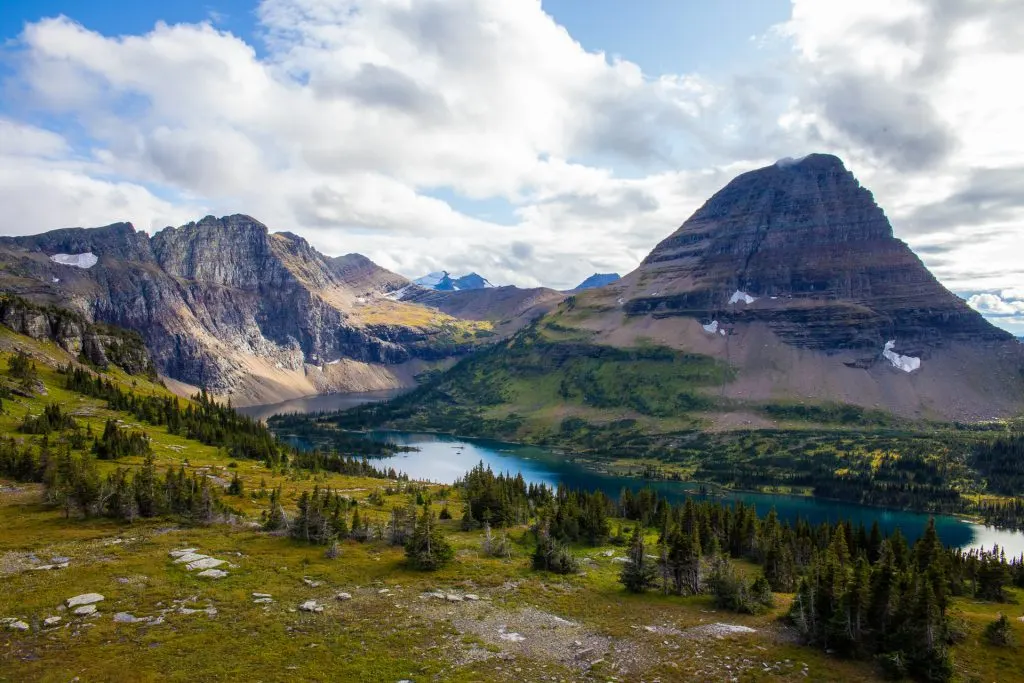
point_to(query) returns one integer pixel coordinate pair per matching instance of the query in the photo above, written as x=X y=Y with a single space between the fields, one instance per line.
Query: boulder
x=84 y=610
x=83 y=599
x=343 y=596
x=311 y=606
x=18 y=625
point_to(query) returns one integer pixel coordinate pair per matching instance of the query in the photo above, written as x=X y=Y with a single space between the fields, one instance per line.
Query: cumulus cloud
x=343 y=127
x=1005 y=308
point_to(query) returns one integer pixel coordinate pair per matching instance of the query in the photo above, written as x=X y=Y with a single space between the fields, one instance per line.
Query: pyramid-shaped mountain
x=792 y=276
x=803 y=248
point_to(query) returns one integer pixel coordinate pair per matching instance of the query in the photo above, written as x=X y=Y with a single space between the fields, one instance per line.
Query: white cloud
x=994 y=304
x=358 y=110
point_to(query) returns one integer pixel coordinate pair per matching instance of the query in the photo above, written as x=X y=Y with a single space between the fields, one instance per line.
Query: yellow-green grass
x=372 y=637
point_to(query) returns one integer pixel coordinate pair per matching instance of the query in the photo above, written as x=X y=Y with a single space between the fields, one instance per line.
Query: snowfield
x=904 y=363
x=86 y=260
x=739 y=296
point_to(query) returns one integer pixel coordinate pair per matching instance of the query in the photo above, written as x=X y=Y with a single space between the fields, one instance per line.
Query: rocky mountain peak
x=803 y=246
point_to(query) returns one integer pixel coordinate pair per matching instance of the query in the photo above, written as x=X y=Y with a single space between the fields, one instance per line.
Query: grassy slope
x=373 y=637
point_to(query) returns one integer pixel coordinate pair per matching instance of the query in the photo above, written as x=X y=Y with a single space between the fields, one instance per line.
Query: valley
x=779 y=449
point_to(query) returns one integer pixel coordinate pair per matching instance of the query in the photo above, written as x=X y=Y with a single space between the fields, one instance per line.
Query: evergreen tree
x=427 y=548
x=639 y=573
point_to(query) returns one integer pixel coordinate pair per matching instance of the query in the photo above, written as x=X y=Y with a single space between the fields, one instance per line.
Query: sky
x=533 y=142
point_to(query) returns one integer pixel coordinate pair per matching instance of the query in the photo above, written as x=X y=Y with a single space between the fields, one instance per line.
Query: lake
x=443 y=458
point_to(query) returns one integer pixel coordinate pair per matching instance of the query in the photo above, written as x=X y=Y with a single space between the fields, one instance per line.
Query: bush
x=1000 y=633
x=553 y=556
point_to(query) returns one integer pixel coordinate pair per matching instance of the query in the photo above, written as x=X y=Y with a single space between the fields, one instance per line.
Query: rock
x=204 y=563
x=60 y=560
x=471 y=597
x=511 y=636
x=608 y=553
x=189 y=557
x=83 y=599
x=213 y=574
x=126 y=618
x=263 y=601
x=18 y=625
x=84 y=610
x=45 y=567
x=384 y=591
x=343 y=596
x=262 y=595
x=311 y=583
x=208 y=611
x=183 y=551
x=451 y=597
x=311 y=606
x=51 y=621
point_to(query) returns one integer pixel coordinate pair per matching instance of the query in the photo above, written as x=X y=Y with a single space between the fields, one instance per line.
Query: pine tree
x=427 y=548
x=639 y=573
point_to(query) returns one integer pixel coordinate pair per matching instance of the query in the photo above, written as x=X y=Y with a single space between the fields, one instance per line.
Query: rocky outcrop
x=99 y=345
x=223 y=303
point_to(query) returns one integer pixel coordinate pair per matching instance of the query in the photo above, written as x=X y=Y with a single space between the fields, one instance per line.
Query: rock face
x=99 y=345
x=814 y=258
x=223 y=303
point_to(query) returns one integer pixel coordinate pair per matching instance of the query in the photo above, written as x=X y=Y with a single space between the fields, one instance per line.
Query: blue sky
x=536 y=144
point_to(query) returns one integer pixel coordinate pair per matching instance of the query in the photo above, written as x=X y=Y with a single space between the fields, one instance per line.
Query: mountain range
x=442 y=281
x=785 y=286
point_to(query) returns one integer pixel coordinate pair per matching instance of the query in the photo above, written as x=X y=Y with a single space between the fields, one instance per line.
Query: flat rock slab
x=189 y=557
x=343 y=596
x=213 y=574
x=18 y=625
x=45 y=567
x=183 y=551
x=204 y=563
x=83 y=599
x=263 y=601
x=126 y=618
x=262 y=595
x=84 y=610
x=51 y=621
x=311 y=606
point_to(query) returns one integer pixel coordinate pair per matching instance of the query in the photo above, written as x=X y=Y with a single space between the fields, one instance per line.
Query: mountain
x=226 y=304
x=597 y=280
x=510 y=308
x=785 y=294
x=443 y=282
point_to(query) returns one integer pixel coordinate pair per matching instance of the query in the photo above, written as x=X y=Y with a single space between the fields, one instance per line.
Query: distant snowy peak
x=442 y=281
x=597 y=280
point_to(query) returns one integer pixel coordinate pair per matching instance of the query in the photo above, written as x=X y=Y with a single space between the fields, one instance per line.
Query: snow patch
x=711 y=327
x=86 y=260
x=431 y=279
x=398 y=294
x=904 y=363
x=740 y=295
